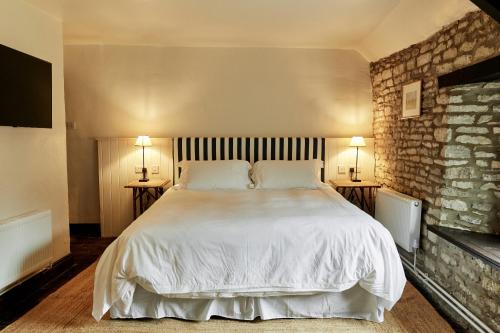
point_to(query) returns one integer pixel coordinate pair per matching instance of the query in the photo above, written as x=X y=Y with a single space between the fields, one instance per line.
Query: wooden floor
x=85 y=249
x=69 y=310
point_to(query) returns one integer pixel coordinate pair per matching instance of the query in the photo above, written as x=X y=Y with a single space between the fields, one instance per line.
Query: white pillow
x=207 y=175
x=287 y=174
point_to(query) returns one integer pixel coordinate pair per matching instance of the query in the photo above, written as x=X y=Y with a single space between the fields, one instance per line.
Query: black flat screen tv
x=25 y=90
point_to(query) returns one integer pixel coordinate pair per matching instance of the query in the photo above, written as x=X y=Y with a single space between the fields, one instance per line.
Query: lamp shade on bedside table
x=143 y=141
x=357 y=141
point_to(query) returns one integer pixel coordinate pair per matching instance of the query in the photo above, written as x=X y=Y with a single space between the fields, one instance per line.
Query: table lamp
x=143 y=141
x=357 y=141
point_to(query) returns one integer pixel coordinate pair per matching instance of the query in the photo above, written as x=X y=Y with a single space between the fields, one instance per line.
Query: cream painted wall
x=33 y=163
x=124 y=91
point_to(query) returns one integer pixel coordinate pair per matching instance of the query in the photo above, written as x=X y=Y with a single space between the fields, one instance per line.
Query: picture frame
x=412 y=95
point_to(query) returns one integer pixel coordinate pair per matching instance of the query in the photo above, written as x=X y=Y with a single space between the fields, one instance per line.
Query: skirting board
x=57 y=266
x=85 y=229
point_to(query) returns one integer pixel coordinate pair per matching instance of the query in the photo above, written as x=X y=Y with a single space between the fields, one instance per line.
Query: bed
x=248 y=253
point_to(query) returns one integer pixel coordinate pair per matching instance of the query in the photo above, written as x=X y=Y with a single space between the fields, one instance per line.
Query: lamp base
x=144 y=175
x=356 y=180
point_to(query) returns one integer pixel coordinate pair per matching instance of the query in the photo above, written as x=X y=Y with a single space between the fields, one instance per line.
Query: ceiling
x=333 y=24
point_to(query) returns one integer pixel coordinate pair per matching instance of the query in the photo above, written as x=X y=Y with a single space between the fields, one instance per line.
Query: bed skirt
x=352 y=303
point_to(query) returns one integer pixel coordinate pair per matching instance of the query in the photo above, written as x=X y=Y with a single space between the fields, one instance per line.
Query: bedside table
x=365 y=197
x=141 y=192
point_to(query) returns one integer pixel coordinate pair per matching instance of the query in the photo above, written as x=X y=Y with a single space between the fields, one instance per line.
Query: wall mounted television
x=25 y=90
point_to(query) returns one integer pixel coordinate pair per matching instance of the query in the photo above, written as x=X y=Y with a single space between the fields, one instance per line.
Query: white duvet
x=203 y=244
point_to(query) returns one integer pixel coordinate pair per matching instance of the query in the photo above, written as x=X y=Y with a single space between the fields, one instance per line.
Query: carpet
x=69 y=310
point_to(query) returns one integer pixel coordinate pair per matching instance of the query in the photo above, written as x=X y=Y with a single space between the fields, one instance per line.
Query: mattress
x=254 y=245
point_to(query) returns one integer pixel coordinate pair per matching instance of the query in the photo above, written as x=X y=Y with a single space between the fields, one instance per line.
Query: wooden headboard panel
x=251 y=149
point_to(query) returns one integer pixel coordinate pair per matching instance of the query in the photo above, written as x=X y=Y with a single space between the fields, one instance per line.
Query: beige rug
x=69 y=310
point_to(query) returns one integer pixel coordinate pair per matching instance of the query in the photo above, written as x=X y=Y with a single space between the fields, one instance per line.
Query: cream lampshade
x=357 y=141
x=143 y=141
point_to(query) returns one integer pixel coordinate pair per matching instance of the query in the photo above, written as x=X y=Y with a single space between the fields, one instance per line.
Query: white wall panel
x=338 y=153
x=117 y=158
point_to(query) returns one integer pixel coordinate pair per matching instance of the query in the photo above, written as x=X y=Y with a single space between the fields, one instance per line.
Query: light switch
x=341 y=169
x=71 y=125
x=155 y=169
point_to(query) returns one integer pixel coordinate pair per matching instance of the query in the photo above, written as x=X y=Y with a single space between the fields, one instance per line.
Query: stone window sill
x=483 y=246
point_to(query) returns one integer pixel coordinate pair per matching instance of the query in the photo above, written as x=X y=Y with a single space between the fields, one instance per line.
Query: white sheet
x=205 y=244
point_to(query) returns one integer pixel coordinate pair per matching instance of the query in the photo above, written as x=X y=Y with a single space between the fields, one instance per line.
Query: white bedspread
x=200 y=244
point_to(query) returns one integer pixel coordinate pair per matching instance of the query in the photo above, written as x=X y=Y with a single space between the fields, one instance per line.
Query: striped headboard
x=247 y=148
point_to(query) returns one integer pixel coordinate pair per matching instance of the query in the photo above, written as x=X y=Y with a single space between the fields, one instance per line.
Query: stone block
x=424 y=59
x=432 y=237
x=455 y=204
x=448 y=259
x=475 y=140
x=483 y=52
x=489 y=186
x=451 y=162
x=482 y=206
x=455 y=99
x=442 y=134
x=453 y=192
x=491 y=177
x=467 y=46
x=462 y=60
x=467 y=108
x=461 y=173
x=444 y=68
x=476 y=220
x=484 y=119
x=459 y=120
x=386 y=74
x=488 y=98
x=484 y=154
x=492 y=85
x=450 y=53
x=462 y=184
x=472 y=130
x=455 y=151
x=482 y=163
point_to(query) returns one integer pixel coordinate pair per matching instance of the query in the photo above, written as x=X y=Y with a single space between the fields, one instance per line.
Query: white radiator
x=25 y=246
x=400 y=214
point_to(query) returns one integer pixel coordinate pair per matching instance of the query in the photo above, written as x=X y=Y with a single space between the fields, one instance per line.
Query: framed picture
x=411 y=99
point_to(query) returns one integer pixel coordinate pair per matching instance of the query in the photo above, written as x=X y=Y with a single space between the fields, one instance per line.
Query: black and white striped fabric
x=247 y=148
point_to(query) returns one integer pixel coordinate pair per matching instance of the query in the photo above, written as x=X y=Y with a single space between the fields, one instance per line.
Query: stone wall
x=470 y=130
x=448 y=157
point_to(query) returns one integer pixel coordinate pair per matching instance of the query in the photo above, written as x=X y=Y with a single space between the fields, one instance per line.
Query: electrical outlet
x=138 y=169
x=353 y=168
x=341 y=169
x=155 y=169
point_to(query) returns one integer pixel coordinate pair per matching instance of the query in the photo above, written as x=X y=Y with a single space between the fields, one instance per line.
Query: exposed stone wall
x=470 y=280
x=470 y=134
x=449 y=156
